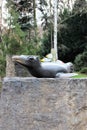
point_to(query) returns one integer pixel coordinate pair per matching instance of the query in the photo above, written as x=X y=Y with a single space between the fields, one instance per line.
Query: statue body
x=44 y=69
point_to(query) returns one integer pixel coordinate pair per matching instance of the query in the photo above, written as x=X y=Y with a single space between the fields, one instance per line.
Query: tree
x=64 y=13
x=15 y=39
x=55 y=31
x=35 y=22
x=51 y=22
x=43 y=8
x=79 y=6
x=24 y=9
x=72 y=33
x=81 y=61
x=72 y=30
x=13 y=34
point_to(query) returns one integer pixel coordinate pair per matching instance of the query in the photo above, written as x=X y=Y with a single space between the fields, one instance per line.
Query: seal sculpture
x=42 y=70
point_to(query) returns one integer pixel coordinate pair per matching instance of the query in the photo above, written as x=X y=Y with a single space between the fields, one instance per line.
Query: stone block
x=43 y=104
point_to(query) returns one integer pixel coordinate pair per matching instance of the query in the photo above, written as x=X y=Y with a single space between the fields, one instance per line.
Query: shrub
x=81 y=61
x=84 y=70
x=2 y=66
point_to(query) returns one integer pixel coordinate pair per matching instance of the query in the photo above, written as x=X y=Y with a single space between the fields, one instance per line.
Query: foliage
x=79 y=6
x=64 y=14
x=45 y=46
x=23 y=8
x=19 y=37
x=12 y=41
x=72 y=30
x=83 y=70
x=30 y=48
x=47 y=40
x=2 y=66
x=81 y=61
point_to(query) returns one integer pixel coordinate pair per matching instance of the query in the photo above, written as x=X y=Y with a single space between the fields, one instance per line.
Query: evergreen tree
x=72 y=32
x=24 y=9
x=79 y=6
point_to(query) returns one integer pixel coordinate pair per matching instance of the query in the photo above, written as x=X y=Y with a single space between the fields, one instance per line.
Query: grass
x=80 y=75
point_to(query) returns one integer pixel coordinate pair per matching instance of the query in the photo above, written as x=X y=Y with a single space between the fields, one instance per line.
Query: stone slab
x=43 y=104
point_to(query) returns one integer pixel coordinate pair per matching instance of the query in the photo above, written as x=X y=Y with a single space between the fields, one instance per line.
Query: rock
x=43 y=104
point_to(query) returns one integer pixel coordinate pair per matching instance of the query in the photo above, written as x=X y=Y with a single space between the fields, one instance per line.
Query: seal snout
x=15 y=58
x=19 y=59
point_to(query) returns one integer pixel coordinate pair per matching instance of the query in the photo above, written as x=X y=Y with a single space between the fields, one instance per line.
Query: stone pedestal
x=43 y=104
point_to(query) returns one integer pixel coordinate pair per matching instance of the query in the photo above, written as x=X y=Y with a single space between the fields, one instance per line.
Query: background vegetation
x=22 y=35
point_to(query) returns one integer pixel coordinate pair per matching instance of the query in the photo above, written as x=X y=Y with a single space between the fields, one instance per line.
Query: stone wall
x=43 y=104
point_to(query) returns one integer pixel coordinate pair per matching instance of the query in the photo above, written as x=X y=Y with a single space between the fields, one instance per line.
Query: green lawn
x=80 y=76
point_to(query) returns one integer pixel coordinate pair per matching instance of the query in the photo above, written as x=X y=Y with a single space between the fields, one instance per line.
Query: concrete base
x=43 y=104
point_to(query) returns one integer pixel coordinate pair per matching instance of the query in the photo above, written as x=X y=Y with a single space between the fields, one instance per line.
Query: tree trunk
x=35 y=22
x=55 y=31
x=51 y=24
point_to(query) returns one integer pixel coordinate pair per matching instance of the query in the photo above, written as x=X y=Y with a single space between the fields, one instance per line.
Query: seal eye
x=31 y=59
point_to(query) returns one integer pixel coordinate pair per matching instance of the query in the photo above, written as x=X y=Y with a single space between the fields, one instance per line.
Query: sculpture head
x=70 y=67
x=27 y=61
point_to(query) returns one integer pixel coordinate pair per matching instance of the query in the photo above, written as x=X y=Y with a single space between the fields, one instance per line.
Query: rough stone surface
x=43 y=104
x=10 y=66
